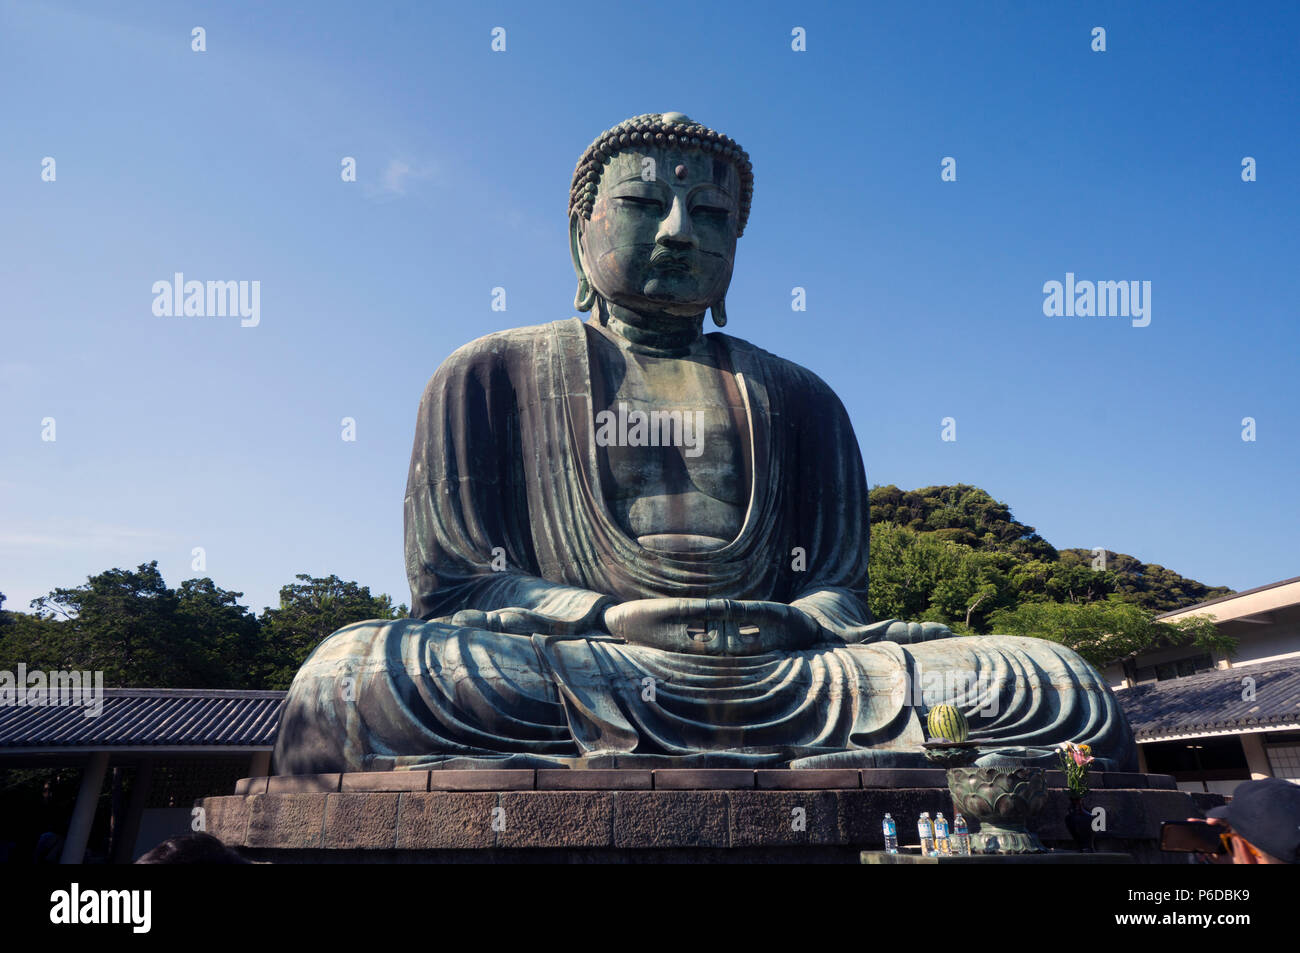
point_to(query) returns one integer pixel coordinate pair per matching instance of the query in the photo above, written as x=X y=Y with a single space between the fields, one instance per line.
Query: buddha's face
x=662 y=233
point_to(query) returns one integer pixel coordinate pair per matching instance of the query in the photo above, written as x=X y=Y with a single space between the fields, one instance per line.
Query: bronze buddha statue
x=633 y=543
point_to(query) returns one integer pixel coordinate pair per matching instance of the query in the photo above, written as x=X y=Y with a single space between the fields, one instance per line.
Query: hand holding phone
x=1193 y=837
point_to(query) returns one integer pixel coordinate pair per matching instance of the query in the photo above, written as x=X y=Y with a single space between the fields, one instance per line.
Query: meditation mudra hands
x=714 y=626
x=702 y=626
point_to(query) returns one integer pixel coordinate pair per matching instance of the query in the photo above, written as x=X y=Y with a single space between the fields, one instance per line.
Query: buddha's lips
x=670 y=262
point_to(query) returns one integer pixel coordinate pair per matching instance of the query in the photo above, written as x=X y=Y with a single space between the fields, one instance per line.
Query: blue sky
x=924 y=298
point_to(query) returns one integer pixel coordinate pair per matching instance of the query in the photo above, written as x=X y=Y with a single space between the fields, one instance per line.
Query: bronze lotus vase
x=1005 y=802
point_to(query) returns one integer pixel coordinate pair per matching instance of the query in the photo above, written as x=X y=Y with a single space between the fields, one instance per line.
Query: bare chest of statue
x=670 y=445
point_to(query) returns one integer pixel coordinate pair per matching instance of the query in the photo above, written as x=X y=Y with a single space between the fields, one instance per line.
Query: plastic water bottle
x=926 y=831
x=961 y=835
x=941 y=842
x=891 y=835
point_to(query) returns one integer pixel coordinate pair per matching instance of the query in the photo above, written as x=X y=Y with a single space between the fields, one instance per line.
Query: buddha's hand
x=713 y=626
x=894 y=630
x=518 y=621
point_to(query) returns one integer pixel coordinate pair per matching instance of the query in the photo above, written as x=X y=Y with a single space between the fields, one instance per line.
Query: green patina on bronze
x=1005 y=801
x=671 y=130
x=584 y=597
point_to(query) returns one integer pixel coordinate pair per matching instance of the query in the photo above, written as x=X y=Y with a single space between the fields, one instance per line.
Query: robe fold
x=504 y=509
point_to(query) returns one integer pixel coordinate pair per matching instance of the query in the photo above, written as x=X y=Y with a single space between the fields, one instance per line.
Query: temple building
x=138 y=767
x=1213 y=720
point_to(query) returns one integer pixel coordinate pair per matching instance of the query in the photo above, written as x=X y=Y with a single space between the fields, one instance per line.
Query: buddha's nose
x=675 y=231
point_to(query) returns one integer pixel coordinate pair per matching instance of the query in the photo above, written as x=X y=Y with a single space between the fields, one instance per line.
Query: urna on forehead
x=673 y=165
x=672 y=131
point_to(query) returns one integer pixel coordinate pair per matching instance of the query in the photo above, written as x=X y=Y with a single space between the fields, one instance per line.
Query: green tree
x=1030 y=578
x=979 y=586
x=961 y=513
x=35 y=642
x=904 y=569
x=121 y=622
x=970 y=518
x=1149 y=585
x=1079 y=583
x=231 y=635
x=310 y=610
x=1107 y=631
x=139 y=632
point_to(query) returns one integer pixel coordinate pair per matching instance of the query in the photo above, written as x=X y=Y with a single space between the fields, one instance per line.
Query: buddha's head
x=655 y=209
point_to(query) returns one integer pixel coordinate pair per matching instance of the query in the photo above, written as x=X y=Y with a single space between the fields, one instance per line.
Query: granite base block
x=608 y=817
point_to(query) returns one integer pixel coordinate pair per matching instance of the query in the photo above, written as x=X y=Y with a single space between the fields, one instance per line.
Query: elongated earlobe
x=585 y=297
x=719 y=311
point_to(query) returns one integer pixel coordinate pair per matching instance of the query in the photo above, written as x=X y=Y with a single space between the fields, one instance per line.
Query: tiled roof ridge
x=1254 y=670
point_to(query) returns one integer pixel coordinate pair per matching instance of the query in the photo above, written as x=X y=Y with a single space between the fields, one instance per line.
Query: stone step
x=629 y=779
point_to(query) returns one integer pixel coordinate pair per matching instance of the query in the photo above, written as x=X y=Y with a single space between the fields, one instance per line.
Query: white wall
x=157 y=824
x=1264 y=643
x=1256 y=644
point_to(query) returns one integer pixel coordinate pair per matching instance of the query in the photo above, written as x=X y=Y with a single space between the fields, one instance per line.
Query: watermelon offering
x=946 y=723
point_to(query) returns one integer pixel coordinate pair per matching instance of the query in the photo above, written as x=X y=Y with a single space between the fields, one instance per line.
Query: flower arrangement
x=1074 y=762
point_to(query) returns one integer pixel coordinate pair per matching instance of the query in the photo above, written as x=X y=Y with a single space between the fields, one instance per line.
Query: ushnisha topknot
x=657 y=129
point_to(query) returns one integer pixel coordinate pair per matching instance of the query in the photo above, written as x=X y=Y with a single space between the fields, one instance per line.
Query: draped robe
x=505 y=509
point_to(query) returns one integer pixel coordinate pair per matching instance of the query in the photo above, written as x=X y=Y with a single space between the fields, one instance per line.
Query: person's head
x=200 y=848
x=1264 y=819
x=655 y=209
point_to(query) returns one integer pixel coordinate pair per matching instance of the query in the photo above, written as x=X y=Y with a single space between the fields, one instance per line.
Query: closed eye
x=637 y=200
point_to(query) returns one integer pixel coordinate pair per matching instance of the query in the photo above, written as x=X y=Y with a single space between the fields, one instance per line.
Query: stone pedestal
x=879 y=857
x=705 y=815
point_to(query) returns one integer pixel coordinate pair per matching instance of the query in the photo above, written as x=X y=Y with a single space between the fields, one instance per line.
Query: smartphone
x=1192 y=836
